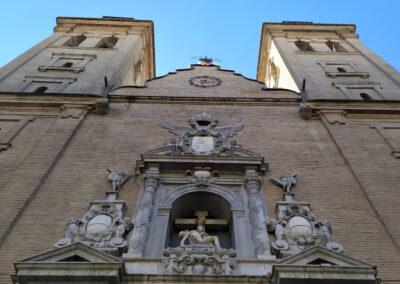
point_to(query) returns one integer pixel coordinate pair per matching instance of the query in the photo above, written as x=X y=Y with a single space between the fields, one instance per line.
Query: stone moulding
x=74 y=70
x=20 y=123
x=348 y=74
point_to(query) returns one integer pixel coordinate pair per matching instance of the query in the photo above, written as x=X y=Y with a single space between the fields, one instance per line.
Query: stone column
x=257 y=217
x=145 y=211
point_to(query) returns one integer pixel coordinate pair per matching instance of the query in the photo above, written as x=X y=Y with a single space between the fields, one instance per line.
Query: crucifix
x=202 y=219
x=199 y=236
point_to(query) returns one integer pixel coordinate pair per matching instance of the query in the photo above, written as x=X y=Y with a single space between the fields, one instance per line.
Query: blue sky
x=227 y=30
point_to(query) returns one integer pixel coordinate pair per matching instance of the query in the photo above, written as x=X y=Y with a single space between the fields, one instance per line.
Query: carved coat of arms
x=204 y=137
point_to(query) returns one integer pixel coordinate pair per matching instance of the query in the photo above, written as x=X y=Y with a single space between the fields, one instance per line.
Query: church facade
x=112 y=175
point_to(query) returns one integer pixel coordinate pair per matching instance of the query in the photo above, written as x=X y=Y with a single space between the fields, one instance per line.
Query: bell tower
x=330 y=57
x=80 y=54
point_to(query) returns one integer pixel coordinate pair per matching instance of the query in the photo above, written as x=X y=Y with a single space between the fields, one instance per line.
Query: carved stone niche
x=200 y=214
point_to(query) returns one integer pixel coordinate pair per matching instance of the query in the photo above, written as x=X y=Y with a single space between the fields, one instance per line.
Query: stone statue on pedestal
x=103 y=226
x=286 y=182
x=117 y=179
x=297 y=228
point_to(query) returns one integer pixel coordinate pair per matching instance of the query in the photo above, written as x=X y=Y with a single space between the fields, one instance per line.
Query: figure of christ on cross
x=199 y=236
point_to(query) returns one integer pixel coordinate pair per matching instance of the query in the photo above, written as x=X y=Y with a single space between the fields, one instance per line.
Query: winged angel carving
x=203 y=137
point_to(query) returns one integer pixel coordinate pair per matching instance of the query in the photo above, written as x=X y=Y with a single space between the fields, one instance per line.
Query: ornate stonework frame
x=7 y=136
x=163 y=208
x=381 y=128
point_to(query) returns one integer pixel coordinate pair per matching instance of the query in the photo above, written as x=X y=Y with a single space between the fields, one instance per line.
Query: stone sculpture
x=199 y=253
x=257 y=215
x=286 y=182
x=103 y=226
x=202 y=176
x=198 y=236
x=199 y=259
x=296 y=227
x=117 y=178
x=203 y=137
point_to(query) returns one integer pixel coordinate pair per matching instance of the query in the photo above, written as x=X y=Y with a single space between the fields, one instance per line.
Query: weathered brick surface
x=288 y=143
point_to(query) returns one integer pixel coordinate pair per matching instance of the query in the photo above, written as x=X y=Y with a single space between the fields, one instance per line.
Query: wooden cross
x=202 y=219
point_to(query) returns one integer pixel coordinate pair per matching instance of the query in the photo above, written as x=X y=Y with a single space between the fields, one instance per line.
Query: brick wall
x=289 y=144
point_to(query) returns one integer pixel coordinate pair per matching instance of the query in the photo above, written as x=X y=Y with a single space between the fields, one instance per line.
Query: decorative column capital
x=252 y=180
x=151 y=177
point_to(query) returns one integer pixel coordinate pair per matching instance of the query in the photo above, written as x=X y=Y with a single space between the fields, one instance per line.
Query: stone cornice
x=51 y=102
x=184 y=161
x=359 y=109
x=204 y=100
x=304 y=26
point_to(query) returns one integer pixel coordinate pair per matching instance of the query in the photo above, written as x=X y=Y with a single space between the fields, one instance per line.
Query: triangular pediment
x=319 y=255
x=320 y=265
x=76 y=252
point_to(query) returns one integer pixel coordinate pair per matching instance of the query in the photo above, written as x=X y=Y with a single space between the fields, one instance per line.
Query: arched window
x=335 y=46
x=41 y=89
x=365 y=97
x=107 y=42
x=68 y=64
x=304 y=46
x=190 y=208
x=341 y=70
x=75 y=41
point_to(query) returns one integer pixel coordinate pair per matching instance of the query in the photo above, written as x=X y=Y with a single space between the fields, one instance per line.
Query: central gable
x=204 y=81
